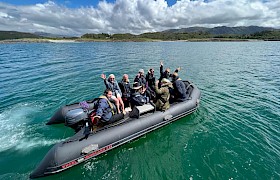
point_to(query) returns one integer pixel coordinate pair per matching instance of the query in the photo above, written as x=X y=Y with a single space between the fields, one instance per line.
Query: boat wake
x=17 y=130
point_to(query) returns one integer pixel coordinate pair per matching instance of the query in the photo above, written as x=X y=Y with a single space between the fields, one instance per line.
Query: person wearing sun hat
x=137 y=99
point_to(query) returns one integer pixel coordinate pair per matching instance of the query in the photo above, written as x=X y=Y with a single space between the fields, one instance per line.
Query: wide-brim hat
x=136 y=86
x=164 y=80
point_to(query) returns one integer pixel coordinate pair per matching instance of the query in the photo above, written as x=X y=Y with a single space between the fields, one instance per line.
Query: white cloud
x=138 y=16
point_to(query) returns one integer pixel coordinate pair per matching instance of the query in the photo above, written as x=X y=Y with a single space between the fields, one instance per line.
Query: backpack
x=138 y=100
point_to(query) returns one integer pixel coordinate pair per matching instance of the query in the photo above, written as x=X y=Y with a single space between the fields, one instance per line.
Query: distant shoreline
x=37 y=40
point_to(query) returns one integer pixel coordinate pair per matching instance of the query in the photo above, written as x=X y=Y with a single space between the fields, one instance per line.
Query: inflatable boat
x=84 y=146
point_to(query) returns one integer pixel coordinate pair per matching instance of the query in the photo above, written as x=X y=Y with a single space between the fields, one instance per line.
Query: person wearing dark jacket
x=140 y=78
x=126 y=90
x=137 y=99
x=150 y=78
x=166 y=74
x=105 y=111
x=179 y=92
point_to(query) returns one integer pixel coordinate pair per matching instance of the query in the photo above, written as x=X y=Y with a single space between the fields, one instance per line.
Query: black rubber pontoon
x=78 y=149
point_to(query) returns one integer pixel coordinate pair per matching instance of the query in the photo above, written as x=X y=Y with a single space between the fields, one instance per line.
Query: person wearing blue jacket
x=105 y=111
x=179 y=92
x=112 y=84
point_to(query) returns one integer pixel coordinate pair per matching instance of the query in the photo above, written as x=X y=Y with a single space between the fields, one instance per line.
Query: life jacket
x=110 y=104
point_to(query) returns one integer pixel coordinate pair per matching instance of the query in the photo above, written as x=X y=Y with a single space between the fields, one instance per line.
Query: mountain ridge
x=219 y=30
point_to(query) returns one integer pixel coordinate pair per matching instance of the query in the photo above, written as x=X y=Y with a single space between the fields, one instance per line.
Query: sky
x=78 y=17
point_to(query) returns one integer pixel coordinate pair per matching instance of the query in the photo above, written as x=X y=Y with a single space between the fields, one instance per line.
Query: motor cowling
x=74 y=116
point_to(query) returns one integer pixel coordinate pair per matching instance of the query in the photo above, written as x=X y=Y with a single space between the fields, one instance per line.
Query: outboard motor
x=73 y=115
x=75 y=118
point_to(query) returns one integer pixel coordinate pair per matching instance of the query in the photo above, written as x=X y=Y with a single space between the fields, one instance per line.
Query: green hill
x=267 y=35
x=191 y=34
x=241 y=30
x=16 y=35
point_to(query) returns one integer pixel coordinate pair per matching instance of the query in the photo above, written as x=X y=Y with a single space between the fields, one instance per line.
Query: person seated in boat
x=150 y=78
x=179 y=92
x=150 y=86
x=163 y=94
x=166 y=74
x=148 y=93
x=137 y=99
x=112 y=84
x=126 y=90
x=105 y=110
x=140 y=78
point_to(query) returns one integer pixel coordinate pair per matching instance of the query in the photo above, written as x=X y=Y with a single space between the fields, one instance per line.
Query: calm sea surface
x=235 y=134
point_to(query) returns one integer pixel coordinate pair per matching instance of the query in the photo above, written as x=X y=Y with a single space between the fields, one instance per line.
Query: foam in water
x=16 y=131
x=27 y=143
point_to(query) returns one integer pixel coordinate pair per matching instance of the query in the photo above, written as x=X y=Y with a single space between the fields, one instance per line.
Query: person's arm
x=106 y=82
x=161 y=68
x=103 y=76
x=101 y=106
x=177 y=69
x=158 y=91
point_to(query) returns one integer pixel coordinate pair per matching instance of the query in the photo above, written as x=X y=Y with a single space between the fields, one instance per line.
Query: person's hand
x=103 y=76
x=179 y=68
x=157 y=81
x=161 y=63
x=143 y=89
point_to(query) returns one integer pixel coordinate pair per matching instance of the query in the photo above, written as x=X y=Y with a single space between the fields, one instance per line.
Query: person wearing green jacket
x=163 y=94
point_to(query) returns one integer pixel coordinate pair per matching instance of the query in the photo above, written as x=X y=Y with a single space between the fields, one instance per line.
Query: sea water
x=235 y=133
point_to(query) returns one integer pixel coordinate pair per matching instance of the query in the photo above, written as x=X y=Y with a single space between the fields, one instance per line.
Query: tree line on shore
x=270 y=35
x=167 y=36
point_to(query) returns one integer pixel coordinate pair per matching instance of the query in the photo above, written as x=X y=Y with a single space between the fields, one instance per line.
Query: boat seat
x=145 y=108
x=139 y=110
